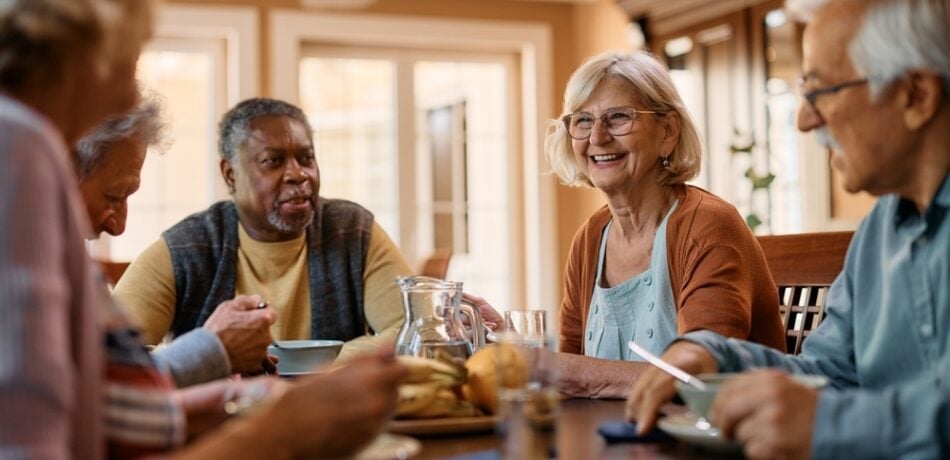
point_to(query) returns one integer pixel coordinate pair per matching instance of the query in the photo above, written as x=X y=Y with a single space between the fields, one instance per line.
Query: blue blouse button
x=926 y=330
x=590 y=335
x=650 y=307
x=649 y=333
x=648 y=280
x=596 y=309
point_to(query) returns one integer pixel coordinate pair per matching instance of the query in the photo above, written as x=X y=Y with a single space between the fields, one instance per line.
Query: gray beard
x=284 y=226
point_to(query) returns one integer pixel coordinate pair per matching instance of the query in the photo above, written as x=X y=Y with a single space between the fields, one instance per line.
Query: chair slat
x=803 y=267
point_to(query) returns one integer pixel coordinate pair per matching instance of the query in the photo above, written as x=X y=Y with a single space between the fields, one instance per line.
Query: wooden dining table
x=577 y=438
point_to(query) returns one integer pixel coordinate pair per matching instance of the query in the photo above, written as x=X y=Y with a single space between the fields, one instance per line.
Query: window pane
x=350 y=103
x=182 y=181
x=472 y=96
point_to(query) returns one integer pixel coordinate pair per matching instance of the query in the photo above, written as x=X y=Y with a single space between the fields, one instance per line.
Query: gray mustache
x=295 y=195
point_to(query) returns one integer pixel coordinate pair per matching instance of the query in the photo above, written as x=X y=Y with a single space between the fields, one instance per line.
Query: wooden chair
x=437 y=264
x=112 y=270
x=803 y=267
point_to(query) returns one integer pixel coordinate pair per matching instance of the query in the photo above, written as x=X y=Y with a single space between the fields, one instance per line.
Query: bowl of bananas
x=442 y=396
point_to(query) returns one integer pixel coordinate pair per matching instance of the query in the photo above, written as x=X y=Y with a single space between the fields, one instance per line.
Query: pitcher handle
x=478 y=327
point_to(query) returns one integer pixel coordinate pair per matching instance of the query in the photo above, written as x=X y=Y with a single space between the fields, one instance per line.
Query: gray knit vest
x=204 y=257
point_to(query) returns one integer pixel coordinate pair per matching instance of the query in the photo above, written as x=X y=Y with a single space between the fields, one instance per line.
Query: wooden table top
x=577 y=438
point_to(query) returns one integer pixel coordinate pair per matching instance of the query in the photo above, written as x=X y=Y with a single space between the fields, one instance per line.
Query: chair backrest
x=803 y=267
x=437 y=264
x=112 y=270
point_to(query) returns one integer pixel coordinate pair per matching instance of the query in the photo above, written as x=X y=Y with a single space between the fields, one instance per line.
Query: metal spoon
x=664 y=366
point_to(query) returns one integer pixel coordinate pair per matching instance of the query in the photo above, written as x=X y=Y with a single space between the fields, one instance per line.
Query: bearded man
x=325 y=266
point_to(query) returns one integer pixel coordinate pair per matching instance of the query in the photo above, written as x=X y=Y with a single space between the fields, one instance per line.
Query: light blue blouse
x=641 y=308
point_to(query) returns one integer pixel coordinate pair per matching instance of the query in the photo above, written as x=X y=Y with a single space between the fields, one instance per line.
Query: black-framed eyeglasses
x=618 y=121
x=812 y=95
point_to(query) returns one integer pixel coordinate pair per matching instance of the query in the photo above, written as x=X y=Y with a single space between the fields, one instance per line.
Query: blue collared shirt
x=885 y=342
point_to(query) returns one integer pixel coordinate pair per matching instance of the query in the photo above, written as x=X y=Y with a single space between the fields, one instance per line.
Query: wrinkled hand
x=489 y=315
x=654 y=388
x=333 y=414
x=244 y=330
x=204 y=404
x=768 y=412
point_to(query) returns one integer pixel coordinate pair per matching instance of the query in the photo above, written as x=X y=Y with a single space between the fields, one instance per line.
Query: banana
x=443 y=405
x=423 y=370
x=414 y=397
x=464 y=409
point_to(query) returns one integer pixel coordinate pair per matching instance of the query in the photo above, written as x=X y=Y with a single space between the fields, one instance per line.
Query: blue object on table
x=620 y=431
x=490 y=454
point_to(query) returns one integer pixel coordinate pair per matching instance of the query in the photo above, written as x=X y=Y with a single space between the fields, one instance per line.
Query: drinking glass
x=527 y=324
x=528 y=395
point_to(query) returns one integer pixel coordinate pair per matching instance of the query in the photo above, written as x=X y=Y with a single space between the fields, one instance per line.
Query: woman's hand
x=489 y=315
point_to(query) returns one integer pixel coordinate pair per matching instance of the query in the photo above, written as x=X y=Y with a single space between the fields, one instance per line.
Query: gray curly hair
x=234 y=128
x=144 y=123
x=36 y=36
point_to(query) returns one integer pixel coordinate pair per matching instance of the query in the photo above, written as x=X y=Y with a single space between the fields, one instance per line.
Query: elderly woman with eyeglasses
x=662 y=258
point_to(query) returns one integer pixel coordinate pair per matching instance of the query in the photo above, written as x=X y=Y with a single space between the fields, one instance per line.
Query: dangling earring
x=666 y=161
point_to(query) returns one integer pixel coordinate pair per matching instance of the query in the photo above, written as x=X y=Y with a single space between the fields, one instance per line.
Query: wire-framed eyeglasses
x=812 y=95
x=617 y=121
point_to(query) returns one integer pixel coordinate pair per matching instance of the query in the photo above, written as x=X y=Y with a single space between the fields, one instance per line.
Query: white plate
x=390 y=447
x=689 y=429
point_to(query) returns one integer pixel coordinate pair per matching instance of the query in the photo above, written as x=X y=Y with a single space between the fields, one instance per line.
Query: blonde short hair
x=36 y=36
x=654 y=88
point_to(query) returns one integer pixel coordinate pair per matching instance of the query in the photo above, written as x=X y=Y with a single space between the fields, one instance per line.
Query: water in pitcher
x=457 y=350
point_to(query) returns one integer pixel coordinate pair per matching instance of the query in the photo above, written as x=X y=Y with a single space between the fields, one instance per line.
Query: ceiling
x=670 y=15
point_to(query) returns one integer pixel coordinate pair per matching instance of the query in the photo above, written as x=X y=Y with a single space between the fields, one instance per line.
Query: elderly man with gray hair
x=108 y=164
x=324 y=265
x=876 y=87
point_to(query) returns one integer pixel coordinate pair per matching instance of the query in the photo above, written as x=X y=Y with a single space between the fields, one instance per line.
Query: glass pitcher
x=433 y=322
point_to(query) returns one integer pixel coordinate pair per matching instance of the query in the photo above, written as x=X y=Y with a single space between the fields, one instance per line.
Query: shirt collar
x=907 y=210
x=943 y=193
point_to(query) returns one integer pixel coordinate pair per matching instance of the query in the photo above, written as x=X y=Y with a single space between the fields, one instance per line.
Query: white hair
x=900 y=35
x=652 y=84
x=144 y=124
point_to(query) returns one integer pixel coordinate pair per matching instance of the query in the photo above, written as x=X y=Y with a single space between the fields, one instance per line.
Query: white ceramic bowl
x=301 y=356
x=699 y=401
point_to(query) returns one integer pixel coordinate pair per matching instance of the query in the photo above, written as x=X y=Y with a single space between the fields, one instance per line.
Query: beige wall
x=579 y=31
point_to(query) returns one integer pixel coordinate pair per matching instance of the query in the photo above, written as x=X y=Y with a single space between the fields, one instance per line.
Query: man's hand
x=362 y=395
x=244 y=330
x=654 y=388
x=768 y=412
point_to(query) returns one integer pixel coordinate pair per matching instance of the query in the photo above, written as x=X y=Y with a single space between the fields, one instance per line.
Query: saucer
x=691 y=430
x=389 y=446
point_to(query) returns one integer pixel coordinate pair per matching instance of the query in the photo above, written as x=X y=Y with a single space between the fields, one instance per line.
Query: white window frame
x=531 y=42
x=237 y=28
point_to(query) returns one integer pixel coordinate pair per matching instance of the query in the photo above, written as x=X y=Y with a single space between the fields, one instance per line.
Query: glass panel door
x=351 y=104
x=421 y=139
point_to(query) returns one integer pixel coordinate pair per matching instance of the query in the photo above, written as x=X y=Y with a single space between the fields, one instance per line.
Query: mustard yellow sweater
x=278 y=273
